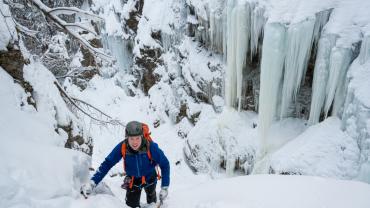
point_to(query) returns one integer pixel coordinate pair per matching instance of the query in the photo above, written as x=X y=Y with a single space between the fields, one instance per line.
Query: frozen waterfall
x=274 y=45
x=299 y=44
x=120 y=49
x=236 y=53
x=244 y=23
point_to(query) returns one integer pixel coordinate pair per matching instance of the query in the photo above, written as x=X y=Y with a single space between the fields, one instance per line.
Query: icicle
x=271 y=74
x=228 y=26
x=365 y=50
x=230 y=165
x=257 y=23
x=242 y=37
x=340 y=60
x=119 y=49
x=237 y=51
x=216 y=30
x=320 y=77
x=299 y=43
x=321 y=19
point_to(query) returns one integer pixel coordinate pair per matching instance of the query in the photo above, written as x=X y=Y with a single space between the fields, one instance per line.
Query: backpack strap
x=123 y=152
x=146 y=132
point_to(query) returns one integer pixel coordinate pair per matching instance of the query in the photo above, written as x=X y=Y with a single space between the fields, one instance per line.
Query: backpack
x=148 y=139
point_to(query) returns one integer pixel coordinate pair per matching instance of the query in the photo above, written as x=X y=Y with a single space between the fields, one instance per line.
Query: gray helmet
x=134 y=128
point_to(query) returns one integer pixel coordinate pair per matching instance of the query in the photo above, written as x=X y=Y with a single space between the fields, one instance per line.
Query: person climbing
x=141 y=158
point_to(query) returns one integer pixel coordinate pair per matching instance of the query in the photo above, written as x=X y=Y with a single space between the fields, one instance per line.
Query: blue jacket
x=137 y=164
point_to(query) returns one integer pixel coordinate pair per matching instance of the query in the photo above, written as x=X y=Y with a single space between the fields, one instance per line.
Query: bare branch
x=80 y=26
x=74 y=10
x=64 y=25
x=74 y=102
x=25 y=30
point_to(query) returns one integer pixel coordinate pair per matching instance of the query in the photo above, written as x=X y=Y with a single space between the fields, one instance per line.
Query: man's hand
x=163 y=193
x=86 y=189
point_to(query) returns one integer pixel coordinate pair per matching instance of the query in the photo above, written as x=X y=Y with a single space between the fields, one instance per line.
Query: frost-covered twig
x=77 y=104
x=80 y=26
x=25 y=30
x=74 y=72
x=53 y=13
x=74 y=10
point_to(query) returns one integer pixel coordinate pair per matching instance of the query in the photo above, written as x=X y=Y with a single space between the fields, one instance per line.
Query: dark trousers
x=133 y=195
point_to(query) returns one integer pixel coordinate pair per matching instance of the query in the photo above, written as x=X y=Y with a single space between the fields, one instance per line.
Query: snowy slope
x=262 y=191
x=37 y=171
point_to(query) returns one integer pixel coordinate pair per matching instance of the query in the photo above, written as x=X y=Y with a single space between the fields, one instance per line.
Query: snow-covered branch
x=53 y=13
x=80 y=26
x=25 y=30
x=88 y=109
x=73 y=10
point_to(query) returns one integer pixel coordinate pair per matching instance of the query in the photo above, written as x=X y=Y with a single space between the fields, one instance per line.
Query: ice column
x=237 y=48
x=365 y=49
x=320 y=77
x=299 y=44
x=340 y=60
x=119 y=49
x=257 y=23
x=216 y=30
x=271 y=75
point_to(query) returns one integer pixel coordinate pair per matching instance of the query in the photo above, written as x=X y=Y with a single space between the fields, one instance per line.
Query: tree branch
x=80 y=26
x=74 y=10
x=64 y=25
x=74 y=103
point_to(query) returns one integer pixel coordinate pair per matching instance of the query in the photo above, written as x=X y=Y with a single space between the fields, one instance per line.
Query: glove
x=163 y=193
x=126 y=183
x=86 y=189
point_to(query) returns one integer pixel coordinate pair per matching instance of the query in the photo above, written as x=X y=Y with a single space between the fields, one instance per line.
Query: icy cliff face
x=356 y=112
x=307 y=50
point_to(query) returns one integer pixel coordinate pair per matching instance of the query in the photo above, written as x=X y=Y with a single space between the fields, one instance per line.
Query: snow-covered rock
x=222 y=142
x=322 y=150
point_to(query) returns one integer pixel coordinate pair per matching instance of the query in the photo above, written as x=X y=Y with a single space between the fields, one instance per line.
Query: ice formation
x=271 y=74
x=299 y=43
x=236 y=53
x=119 y=49
x=321 y=74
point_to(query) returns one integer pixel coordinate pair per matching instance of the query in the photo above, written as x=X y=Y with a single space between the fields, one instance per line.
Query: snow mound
x=275 y=191
x=322 y=150
x=225 y=141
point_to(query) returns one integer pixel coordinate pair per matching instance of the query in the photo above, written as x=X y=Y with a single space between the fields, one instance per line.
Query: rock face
x=28 y=71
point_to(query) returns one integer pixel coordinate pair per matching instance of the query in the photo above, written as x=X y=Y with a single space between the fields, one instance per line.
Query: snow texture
x=8 y=34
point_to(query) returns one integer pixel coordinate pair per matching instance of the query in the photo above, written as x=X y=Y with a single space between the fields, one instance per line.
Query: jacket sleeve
x=160 y=158
x=113 y=158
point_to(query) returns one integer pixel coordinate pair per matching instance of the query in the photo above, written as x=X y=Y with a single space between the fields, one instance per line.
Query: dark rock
x=157 y=35
x=134 y=16
x=79 y=139
x=89 y=59
x=182 y=113
x=12 y=61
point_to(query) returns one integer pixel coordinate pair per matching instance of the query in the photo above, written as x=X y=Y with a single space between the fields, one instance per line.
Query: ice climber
x=141 y=158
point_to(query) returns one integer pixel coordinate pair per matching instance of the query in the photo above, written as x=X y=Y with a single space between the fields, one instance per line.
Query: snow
x=8 y=32
x=36 y=168
x=322 y=150
x=275 y=191
x=37 y=171
x=224 y=141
